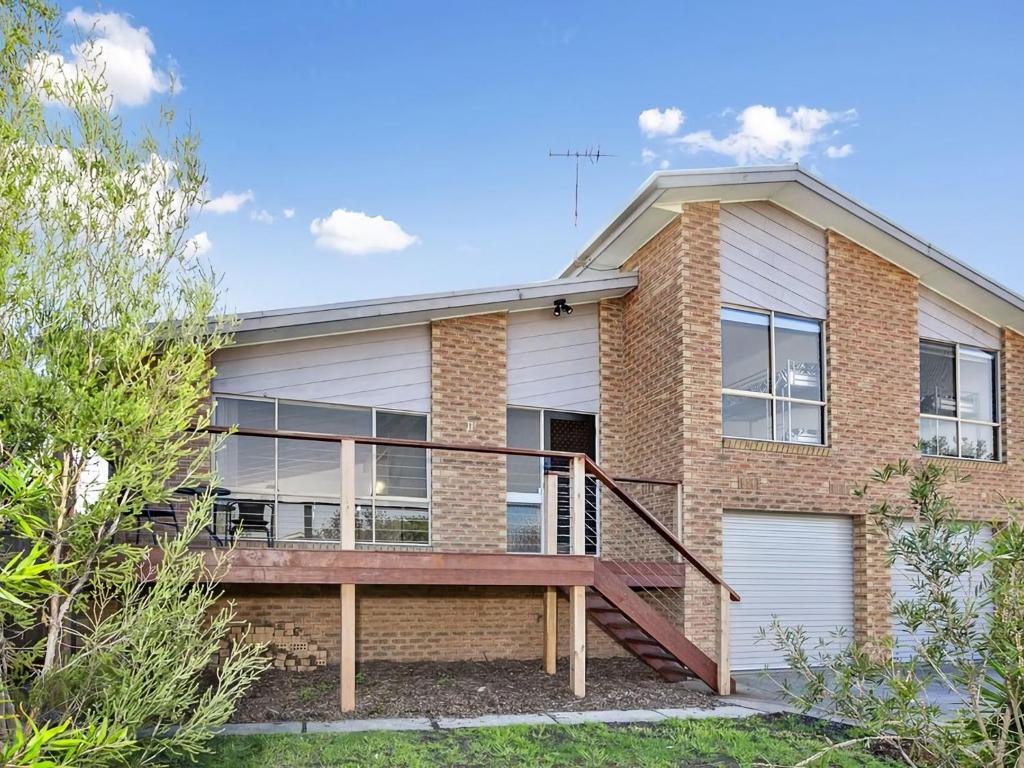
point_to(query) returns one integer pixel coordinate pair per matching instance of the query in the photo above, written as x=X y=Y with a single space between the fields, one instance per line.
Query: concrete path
x=764 y=686
x=731 y=707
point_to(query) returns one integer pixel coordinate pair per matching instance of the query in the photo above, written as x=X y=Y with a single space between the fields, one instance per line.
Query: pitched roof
x=662 y=196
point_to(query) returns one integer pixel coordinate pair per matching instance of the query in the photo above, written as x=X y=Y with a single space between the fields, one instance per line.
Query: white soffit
x=663 y=195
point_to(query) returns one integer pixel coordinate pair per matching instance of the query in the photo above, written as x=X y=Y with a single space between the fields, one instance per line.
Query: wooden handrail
x=617 y=479
x=391 y=441
x=429 y=445
x=646 y=481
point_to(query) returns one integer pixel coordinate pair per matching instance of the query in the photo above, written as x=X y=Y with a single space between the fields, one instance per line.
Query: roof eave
x=306 y=322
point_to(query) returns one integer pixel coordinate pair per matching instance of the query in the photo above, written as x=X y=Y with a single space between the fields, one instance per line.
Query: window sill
x=971 y=464
x=772 y=446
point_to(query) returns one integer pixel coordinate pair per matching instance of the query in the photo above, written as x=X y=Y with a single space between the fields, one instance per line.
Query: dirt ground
x=461 y=689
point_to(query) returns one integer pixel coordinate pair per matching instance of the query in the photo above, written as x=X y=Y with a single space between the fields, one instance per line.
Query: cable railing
x=581 y=466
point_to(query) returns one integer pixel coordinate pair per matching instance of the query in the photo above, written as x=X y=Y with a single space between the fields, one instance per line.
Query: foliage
x=966 y=618
x=755 y=741
x=24 y=578
x=105 y=342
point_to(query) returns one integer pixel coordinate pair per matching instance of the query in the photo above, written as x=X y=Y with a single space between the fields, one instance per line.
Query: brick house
x=683 y=413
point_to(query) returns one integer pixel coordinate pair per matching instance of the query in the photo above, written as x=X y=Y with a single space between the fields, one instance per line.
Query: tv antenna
x=592 y=155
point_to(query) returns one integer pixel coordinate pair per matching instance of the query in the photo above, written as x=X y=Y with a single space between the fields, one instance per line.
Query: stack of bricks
x=287 y=649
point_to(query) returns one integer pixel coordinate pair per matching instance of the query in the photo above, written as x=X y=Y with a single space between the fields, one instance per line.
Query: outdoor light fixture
x=561 y=305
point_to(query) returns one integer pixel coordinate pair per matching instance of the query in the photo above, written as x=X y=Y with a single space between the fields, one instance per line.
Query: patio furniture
x=220 y=507
x=253 y=516
x=154 y=515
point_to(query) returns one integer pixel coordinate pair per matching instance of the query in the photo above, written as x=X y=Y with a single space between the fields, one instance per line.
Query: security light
x=561 y=305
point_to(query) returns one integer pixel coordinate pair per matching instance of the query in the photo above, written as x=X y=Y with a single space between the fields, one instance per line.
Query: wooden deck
x=252 y=565
x=294 y=566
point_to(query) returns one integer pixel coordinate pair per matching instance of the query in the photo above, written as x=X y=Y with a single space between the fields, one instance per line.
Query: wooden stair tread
x=652 y=651
x=632 y=635
x=646 y=633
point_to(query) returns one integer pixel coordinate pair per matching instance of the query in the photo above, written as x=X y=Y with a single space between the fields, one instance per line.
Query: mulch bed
x=461 y=689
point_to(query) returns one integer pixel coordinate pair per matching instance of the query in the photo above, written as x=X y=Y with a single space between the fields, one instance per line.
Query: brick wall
x=468 y=395
x=420 y=623
x=661 y=366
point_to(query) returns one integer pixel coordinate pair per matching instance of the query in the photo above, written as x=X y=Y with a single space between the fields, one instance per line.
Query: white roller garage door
x=796 y=567
x=903 y=581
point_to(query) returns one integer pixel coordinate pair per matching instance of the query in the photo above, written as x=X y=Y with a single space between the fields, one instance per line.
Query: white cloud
x=263 y=216
x=764 y=135
x=844 y=151
x=288 y=213
x=655 y=122
x=198 y=245
x=114 y=53
x=648 y=156
x=355 y=233
x=664 y=164
x=229 y=202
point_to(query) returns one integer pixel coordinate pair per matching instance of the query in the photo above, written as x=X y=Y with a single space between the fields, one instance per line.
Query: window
x=959 y=401
x=551 y=430
x=525 y=476
x=303 y=478
x=773 y=387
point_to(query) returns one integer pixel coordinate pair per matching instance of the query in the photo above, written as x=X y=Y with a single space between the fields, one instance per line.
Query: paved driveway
x=764 y=686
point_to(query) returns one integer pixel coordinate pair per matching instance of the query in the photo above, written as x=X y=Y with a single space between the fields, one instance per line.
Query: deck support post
x=348 y=494
x=679 y=518
x=578 y=640
x=551 y=514
x=550 y=630
x=348 y=647
x=577 y=505
x=348 y=591
x=724 y=636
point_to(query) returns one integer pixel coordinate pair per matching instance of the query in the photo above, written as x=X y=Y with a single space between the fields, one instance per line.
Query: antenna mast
x=591 y=154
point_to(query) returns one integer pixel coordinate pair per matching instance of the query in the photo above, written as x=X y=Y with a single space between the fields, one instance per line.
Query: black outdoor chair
x=253 y=516
x=156 y=515
x=222 y=509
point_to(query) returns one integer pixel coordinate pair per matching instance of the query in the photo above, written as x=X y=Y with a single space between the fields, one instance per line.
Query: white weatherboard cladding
x=940 y=319
x=553 y=362
x=798 y=567
x=903 y=588
x=387 y=368
x=772 y=260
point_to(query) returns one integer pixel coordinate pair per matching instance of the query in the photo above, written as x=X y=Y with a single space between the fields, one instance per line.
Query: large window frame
x=364 y=503
x=772 y=396
x=959 y=419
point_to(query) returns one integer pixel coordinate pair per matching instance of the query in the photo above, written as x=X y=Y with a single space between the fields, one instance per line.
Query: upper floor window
x=959 y=401
x=773 y=387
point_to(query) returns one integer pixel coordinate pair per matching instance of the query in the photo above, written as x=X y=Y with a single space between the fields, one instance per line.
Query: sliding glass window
x=959 y=401
x=303 y=478
x=773 y=383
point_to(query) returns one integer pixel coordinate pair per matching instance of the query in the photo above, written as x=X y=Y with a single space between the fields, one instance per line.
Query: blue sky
x=439 y=117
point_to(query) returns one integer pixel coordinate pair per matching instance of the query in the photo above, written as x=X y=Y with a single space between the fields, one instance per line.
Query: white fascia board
x=306 y=322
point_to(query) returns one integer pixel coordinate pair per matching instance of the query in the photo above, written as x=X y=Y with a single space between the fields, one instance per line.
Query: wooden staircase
x=644 y=632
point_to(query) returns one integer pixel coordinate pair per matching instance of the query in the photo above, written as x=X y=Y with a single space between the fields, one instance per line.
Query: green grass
x=675 y=743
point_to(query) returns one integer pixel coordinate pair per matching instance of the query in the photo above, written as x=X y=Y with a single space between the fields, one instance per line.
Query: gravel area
x=461 y=689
